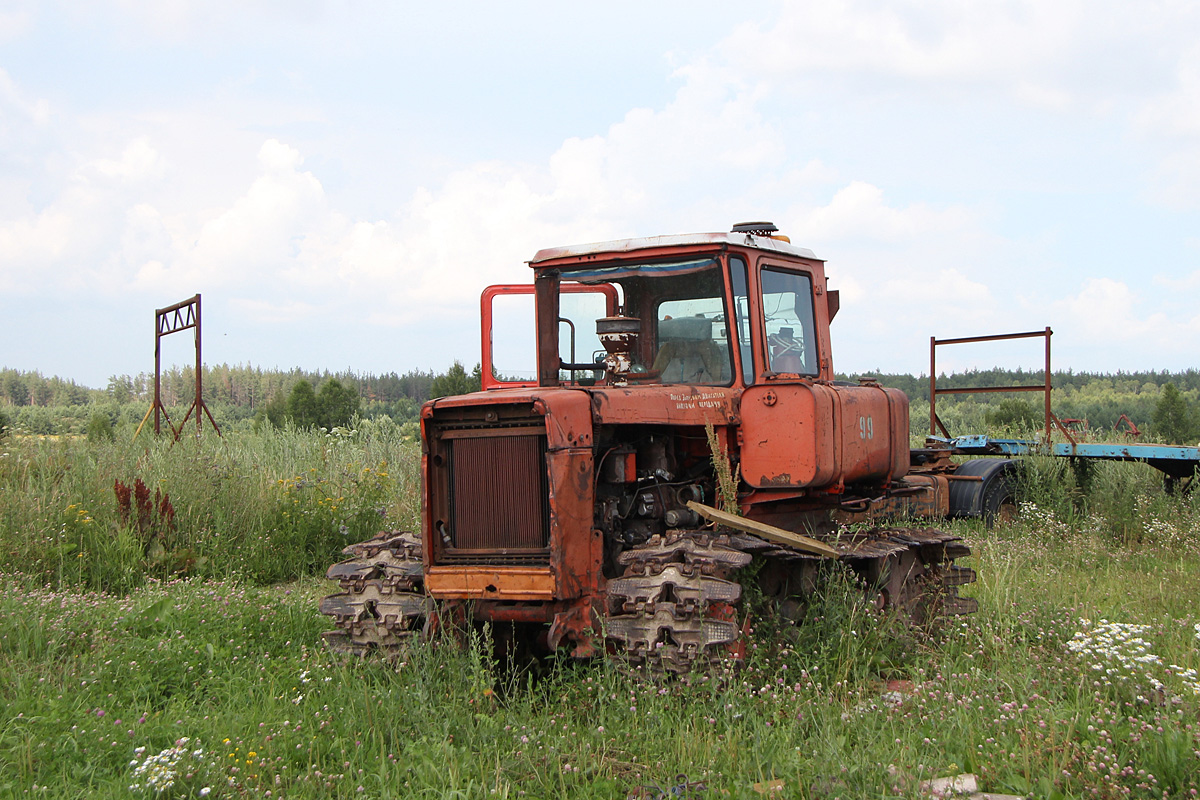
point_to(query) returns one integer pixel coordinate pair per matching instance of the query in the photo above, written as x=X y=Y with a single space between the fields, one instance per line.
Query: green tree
x=273 y=412
x=100 y=428
x=16 y=389
x=302 y=407
x=1172 y=420
x=120 y=388
x=456 y=381
x=336 y=404
x=1015 y=414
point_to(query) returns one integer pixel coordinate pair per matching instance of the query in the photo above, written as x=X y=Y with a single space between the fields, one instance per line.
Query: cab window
x=739 y=280
x=789 y=321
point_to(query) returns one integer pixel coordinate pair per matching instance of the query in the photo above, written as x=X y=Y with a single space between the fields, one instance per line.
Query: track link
x=674 y=609
x=383 y=602
x=674 y=606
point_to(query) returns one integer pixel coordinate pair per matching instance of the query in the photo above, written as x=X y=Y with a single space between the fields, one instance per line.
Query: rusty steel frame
x=181 y=316
x=935 y=423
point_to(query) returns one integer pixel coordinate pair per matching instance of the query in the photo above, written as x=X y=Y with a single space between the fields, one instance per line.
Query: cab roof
x=621 y=246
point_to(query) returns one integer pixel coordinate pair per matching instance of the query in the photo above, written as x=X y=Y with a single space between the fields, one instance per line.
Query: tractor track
x=675 y=608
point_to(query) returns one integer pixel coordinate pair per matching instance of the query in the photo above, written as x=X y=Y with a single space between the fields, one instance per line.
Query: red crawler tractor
x=572 y=498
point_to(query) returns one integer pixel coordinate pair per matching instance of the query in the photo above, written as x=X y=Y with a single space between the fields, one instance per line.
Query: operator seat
x=687 y=353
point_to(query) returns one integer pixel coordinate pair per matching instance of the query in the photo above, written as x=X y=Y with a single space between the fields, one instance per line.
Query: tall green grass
x=269 y=506
x=108 y=660
x=847 y=705
x=279 y=504
x=1124 y=502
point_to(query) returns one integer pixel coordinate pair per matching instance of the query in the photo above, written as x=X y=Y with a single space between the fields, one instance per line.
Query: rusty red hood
x=674 y=404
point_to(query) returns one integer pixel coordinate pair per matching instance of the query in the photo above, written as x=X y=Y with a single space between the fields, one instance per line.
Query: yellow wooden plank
x=762 y=529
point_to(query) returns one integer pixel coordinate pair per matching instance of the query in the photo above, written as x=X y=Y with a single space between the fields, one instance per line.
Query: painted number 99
x=866 y=428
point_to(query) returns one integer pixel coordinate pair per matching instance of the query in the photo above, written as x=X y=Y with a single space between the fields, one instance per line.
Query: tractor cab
x=710 y=310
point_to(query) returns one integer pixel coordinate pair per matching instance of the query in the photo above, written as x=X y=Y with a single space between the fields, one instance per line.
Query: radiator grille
x=499 y=498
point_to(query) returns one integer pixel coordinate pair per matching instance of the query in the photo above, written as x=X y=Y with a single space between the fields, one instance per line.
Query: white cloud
x=138 y=162
x=278 y=248
x=1103 y=311
x=245 y=198
x=37 y=238
x=1175 y=112
x=858 y=211
x=1129 y=68
x=275 y=313
x=1104 y=318
x=58 y=244
x=173 y=21
x=1188 y=283
x=259 y=236
x=14 y=24
x=1049 y=54
x=14 y=99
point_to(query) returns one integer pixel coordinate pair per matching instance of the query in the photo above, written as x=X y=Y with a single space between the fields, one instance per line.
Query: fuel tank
x=816 y=435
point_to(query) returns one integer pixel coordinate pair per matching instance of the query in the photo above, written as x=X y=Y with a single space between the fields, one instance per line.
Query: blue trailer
x=985 y=487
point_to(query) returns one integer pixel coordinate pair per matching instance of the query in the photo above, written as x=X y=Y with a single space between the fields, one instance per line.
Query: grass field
x=1076 y=679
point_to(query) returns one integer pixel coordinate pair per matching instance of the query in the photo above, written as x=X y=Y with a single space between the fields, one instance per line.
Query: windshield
x=681 y=317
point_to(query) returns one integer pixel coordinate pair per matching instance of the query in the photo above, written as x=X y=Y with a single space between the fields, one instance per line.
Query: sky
x=340 y=180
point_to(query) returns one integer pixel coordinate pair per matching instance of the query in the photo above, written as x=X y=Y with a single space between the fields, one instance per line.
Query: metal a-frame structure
x=174 y=318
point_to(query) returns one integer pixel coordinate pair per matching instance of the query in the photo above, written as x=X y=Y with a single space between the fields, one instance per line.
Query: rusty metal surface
x=510 y=473
x=935 y=423
x=669 y=405
x=486 y=300
x=673 y=616
x=788 y=436
x=689 y=240
x=619 y=337
x=873 y=433
x=569 y=506
x=683 y=547
x=567 y=503
x=804 y=434
x=383 y=602
x=916 y=496
x=181 y=316
x=669 y=616
x=499 y=508
x=490 y=582
x=1130 y=427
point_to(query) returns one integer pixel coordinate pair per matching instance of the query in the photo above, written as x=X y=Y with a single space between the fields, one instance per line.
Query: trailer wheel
x=992 y=498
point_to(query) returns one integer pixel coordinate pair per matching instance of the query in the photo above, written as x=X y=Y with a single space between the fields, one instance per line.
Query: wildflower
x=159 y=772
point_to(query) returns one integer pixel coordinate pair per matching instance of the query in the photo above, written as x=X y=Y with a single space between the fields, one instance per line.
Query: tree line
x=1066 y=381
x=236 y=396
x=1164 y=404
x=237 y=385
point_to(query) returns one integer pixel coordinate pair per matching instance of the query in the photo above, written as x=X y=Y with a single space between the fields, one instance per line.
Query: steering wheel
x=786 y=353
